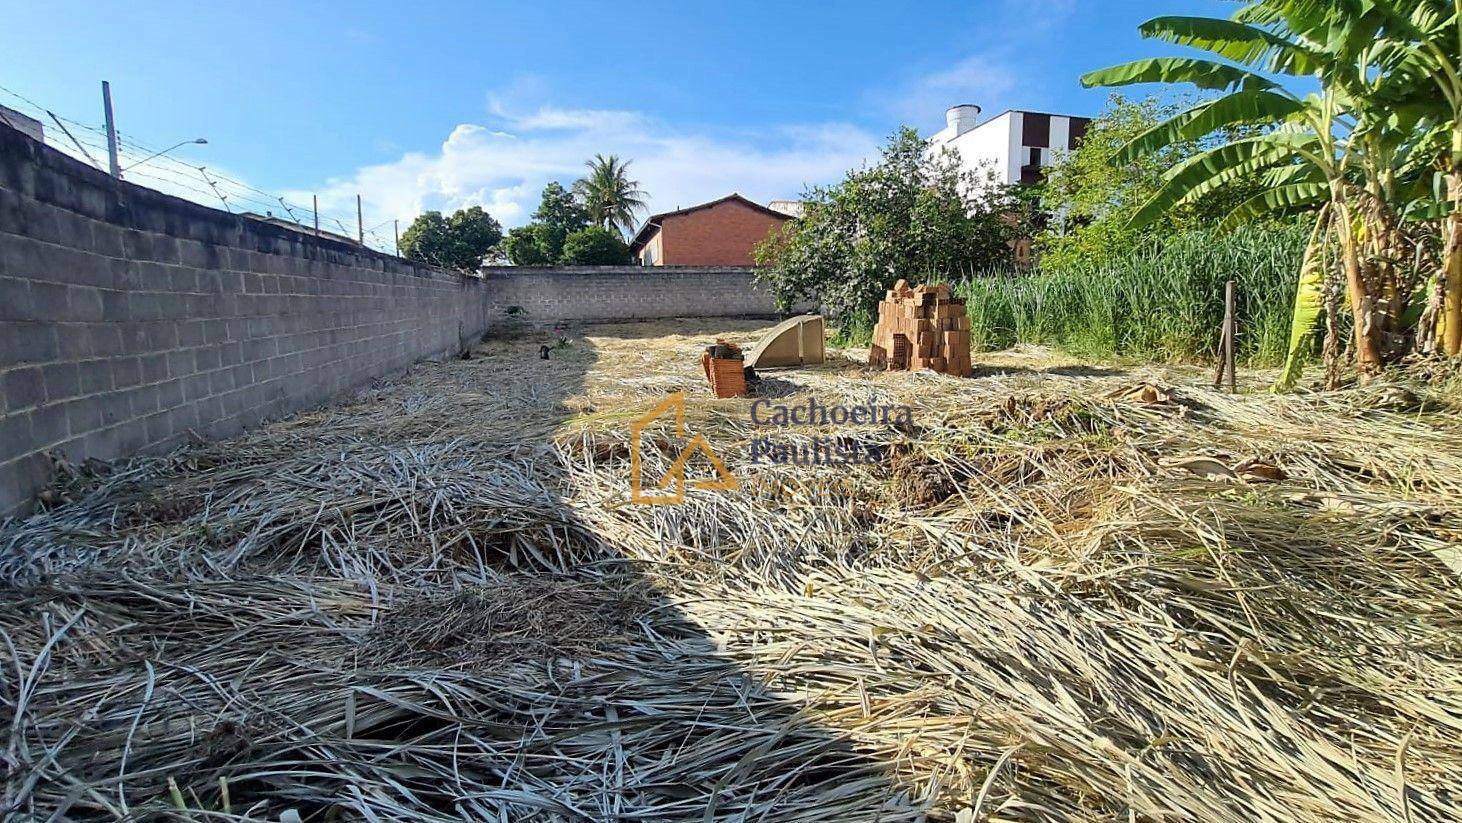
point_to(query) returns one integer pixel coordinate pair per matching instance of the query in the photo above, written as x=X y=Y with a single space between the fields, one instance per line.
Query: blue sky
x=440 y=105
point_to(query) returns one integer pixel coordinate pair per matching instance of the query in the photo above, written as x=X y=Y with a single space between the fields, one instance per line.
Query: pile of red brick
x=725 y=369
x=922 y=327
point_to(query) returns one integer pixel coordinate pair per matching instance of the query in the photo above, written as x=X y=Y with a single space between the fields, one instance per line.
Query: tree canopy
x=462 y=241
x=595 y=246
x=914 y=214
x=541 y=242
x=1089 y=194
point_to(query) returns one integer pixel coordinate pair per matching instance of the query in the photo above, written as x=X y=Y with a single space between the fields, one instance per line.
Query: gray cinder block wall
x=130 y=320
x=546 y=296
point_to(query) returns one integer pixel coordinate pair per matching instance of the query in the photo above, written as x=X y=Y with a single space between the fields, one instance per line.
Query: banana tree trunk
x=1429 y=326
x=1309 y=303
x=1332 y=325
x=1451 y=318
x=1362 y=302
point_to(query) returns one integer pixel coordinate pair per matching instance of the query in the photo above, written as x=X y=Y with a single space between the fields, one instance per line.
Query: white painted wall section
x=998 y=143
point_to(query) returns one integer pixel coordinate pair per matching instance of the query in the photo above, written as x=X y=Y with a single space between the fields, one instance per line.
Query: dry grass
x=1065 y=597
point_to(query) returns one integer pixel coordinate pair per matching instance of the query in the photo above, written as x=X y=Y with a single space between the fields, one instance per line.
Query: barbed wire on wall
x=144 y=164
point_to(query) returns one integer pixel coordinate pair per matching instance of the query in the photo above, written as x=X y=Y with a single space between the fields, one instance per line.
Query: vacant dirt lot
x=1063 y=592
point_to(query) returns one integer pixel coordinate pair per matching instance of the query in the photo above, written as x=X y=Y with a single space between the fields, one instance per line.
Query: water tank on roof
x=962 y=118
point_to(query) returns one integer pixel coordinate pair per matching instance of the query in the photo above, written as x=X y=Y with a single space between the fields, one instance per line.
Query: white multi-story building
x=1014 y=145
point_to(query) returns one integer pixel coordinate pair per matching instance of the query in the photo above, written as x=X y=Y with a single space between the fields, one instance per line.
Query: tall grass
x=1157 y=303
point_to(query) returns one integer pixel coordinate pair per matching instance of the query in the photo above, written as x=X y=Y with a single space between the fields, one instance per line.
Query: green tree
x=914 y=215
x=460 y=242
x=540 y=243
x=522 y=249
x=1089 y=195
x=595 y=246
x=558 y=216
x=558 y=208
x=608 y=195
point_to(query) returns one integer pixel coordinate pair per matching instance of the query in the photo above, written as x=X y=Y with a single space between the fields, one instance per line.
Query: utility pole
x=316 y=199
x=396 y=230
x=359 y=222
x=111 y=130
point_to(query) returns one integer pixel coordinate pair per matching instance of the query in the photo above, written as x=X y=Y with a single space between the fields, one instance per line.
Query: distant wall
x=592 y=293
x=129 y=318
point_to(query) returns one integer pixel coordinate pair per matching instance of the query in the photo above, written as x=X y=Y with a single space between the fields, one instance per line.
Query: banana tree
x=1309 y=303
x=1307 y=144
x=1354 y=145
x=1425 y=36
x=1415 y=47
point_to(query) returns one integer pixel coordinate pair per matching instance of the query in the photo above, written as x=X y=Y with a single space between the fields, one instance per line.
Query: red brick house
x=719 y=233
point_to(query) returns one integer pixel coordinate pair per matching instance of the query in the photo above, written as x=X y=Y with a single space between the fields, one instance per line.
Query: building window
x=1030 y=164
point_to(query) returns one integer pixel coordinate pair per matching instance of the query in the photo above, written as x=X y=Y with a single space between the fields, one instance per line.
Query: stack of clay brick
x=922 y=327
x=725 y=368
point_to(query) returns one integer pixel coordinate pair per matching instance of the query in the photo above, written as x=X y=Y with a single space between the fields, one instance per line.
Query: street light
x=199 y=141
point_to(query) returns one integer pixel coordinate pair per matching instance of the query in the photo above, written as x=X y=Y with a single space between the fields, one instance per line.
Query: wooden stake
x=1226 y=342
x=1222 y=345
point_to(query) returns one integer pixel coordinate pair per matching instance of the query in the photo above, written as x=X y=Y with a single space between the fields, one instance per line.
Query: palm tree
x=609 y=195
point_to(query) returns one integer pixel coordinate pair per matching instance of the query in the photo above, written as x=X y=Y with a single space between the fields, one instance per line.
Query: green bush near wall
x=1159 y=303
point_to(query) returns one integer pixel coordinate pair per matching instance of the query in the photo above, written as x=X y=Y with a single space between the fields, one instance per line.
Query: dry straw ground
x=1071 y=594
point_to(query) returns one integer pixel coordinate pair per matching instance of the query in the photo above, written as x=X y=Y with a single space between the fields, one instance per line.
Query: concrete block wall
x=129 y=319
x=596 y=293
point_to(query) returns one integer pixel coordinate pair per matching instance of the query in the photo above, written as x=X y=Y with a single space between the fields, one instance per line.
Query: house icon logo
x=674 y=478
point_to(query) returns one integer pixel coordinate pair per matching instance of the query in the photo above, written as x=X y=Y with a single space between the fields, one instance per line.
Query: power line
x=73 y=139
x=37 y=107
x=178 y=176
x=257 y=196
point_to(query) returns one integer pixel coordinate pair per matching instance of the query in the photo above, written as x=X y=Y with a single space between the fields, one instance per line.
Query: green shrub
x=1159 y=302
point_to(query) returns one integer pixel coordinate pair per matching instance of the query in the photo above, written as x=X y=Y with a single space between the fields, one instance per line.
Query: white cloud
x=503 y=165
x=522 y=143
x=994 y=77
x=986 y=79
